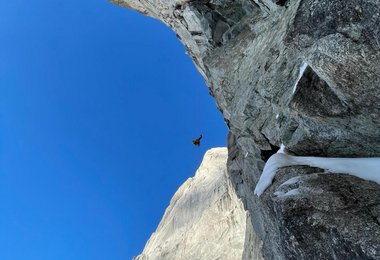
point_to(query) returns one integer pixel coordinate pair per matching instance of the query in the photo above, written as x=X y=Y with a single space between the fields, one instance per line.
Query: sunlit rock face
x=250 y=53
x=205 y=218
x=304 y=73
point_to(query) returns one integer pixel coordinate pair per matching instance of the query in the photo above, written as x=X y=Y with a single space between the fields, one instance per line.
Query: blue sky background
x=99 y=105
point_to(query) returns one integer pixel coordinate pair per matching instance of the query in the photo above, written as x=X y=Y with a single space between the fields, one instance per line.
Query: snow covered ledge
x=365 y=168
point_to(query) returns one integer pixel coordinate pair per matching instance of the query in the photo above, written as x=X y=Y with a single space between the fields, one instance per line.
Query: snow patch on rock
x=302 y=70
x=365 y=168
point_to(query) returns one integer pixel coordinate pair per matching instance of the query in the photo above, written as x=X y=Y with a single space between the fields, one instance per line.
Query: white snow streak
x=282 y=149
x=291 y=181
x=289 y=193
x=302 y=70
x=365 y=168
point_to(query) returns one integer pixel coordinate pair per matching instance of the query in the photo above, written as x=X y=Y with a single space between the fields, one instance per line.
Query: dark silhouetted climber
x=197 y=142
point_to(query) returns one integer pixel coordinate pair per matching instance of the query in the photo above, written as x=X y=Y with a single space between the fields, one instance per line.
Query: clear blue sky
x=99 y=105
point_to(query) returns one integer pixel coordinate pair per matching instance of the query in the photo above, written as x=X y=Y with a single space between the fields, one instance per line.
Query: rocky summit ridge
x=305 y=74
x=205 y=218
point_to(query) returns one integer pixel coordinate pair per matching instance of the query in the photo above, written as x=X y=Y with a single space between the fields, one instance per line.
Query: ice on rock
x=302 y=70
x=365 y=168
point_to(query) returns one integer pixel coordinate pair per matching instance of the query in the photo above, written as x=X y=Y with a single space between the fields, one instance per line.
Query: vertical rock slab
x=308 y=213
x=250 y=53
x=205 y=219
x=304 y=73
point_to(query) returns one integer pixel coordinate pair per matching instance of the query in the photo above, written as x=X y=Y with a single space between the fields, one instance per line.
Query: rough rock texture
x=250 y=53
x=205 y=219
x=326 y=198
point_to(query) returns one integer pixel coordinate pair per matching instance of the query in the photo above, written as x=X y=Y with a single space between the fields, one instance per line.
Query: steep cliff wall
x=305 y=74
x=205 y=218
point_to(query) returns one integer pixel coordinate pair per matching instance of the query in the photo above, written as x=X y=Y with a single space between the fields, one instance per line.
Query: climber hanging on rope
x=197 y=142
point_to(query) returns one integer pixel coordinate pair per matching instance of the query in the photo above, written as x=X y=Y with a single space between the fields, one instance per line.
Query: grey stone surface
x=250 y=53
x=328 y=217
x=205 y=218
x=338 y=215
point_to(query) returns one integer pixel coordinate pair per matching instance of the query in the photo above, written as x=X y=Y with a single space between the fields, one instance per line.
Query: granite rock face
x=205 y=218
x=310 y=214
x=304 y=73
